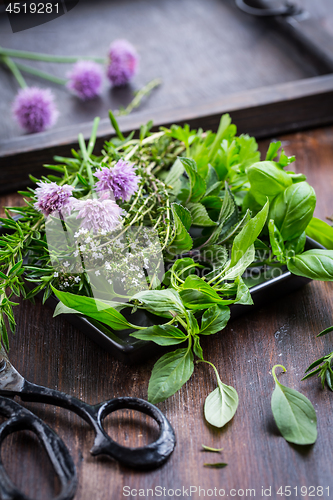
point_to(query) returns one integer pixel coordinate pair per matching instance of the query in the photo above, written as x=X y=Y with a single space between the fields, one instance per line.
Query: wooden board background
x=51 y=352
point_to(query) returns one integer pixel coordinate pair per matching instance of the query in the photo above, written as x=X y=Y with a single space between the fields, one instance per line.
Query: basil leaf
x=199 y=215
x=241 y=265
x=295 y=246
x=169 y=374
x=197 y=294
x=293 y=413
x=243 y=293
x=248 y=234
x=94 y=308
x=197 y=183
x=214 y=320
x=221 y=404
x=321 y=232
x=197 y=348
x=267 y=180
x=182 y=219
x=314 y=264
x=292 y=210
x=193 y=324
x=276 y=241
x=161 y=335
x=161 y=301
x=324 y=332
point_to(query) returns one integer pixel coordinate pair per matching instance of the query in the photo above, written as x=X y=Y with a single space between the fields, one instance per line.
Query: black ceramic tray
x=131 y=350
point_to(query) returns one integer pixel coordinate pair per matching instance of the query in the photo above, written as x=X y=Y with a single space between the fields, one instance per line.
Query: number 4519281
x=32 y=8
x=303 y=491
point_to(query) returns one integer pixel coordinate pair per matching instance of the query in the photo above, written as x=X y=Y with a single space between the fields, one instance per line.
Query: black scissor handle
x=21 y=419
x=151 y=455
x=287 y=9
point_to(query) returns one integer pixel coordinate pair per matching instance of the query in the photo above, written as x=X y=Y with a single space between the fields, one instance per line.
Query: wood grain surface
x=51 y=352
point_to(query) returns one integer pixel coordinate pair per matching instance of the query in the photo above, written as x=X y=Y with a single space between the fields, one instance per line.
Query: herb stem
x=15 y=71
x=274 y=374
x=136 y=101
x=36 y=56
x=41 y=74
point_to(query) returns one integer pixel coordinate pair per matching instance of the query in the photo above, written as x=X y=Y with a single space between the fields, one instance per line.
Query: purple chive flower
x=123 y=63
x=34 y=109
x=85 y=79
x=51 y=197
x=98 y=215
x=121 y=180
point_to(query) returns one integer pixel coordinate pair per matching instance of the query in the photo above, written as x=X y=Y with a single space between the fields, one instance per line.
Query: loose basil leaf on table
x=169 y=374
x=293 y=413
x=315 y=264
x=221 y=404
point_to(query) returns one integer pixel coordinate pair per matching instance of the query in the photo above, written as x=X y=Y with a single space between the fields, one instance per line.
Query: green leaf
x=94 y=308
x=214 y=320
x=199 y=215
x=174 y=174
x=267 y=180
x=248 y=153
x=248 y=235
x=169 y=374
x=295 y=246
x=197 y=348
x=62 y=309
x=214 y=450
x=320 y=231
x=272 y=151
x=276 y=241
x=197 y=183
x=182 y=241
x=292 y=210
x=221 y=404
x=193 y=324
x=243 y=293
x=221 y=133
x=161 y=335
x=324 y=332
x=314 y=264
x=217 y=465
x=197 y=294
x=241 y=265
x=293 y=413
x=161 y=301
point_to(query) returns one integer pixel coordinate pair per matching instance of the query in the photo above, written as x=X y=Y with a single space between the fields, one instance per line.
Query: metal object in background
x=296 y=22
x=13 y=384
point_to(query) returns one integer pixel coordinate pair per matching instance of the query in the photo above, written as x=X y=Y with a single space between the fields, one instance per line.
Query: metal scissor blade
x=10 y=379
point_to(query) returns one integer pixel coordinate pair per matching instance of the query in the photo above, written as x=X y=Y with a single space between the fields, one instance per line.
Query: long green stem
x=14 y=69
x=41 y=74
x=136 y=101
x=23 y=54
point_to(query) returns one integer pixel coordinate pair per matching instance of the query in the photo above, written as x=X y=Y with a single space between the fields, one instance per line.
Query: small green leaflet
x=321 y=232
x=174 y=174
x=324 y=332
x=169 y=374
x=214 y=320
x=197 y=347
x=248 y=235
x=199 y=215
x=217 y=465
x=161 y=301
x=293 y=413
x=94 y=308
x=197 y=294
x=161 y=335
x=276 y=241
x=208 y=448
x=314 y=264
x=197 y=183
x=241 y=265
x=243 y=293
x=182 y=219
x=221 y=404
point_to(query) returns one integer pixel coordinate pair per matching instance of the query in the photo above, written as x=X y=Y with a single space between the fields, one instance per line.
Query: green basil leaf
x=293 y=413
x=248 y=234
x=272 y=151
x=276 y=241
x=292 y=209
x=182 y=241
x=193 y=324
x=199 y=215
x=314 y=264
x=169 y=374
x=214 y=320
x=197 y=183
x=241 y=265
x=267 y=180
x=161 y=335
x=197 y=294
x=324 y=332
x=94 y=308
x=295 y=246
x=221 y=404
x=321 y=232
x=243 y=293
x=197 y=347
x=161 y=301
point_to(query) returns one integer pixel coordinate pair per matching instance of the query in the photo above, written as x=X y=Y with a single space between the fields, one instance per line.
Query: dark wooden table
x=51 y=352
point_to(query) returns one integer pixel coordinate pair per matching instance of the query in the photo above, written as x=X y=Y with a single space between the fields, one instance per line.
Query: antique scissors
x=13 y=384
